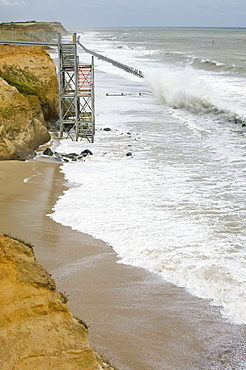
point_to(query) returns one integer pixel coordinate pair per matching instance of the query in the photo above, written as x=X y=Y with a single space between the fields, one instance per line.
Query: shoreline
x=135 y=318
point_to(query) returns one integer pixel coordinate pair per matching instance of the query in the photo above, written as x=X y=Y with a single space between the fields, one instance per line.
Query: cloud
x=12 y=3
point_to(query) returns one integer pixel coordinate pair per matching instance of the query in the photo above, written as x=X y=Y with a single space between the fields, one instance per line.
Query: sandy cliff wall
x=37 y=330
x=28 y=99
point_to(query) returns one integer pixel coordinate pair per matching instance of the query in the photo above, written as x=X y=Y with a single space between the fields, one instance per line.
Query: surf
x=187 y=90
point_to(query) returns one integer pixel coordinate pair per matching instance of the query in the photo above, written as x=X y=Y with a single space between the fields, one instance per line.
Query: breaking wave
x=185 y=89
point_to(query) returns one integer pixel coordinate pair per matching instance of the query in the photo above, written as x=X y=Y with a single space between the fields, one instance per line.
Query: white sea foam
x=181 y=89
x=177 y=206
x=198 y=93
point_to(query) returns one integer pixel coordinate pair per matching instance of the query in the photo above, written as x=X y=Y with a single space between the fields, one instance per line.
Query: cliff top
x=34 y=26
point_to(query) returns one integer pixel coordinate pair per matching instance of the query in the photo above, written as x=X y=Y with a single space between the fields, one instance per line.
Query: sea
x=165 y=186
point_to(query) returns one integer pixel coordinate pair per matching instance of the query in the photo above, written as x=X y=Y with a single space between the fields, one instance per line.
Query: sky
x=78 y=14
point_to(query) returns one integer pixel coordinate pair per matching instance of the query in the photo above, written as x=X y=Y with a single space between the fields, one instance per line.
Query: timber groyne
x=134 y=71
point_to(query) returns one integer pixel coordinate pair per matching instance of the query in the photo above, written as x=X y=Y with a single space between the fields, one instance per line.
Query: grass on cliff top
x=47 y=27
x=24 y=80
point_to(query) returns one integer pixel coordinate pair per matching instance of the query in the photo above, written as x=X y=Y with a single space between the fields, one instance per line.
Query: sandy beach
x=136 y=320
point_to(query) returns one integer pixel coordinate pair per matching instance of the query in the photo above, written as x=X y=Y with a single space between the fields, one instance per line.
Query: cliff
x=37 y=330
x=28 y=99
x=34 y=26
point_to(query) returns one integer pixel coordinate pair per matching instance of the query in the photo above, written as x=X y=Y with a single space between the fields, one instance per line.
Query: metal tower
x=76 y=93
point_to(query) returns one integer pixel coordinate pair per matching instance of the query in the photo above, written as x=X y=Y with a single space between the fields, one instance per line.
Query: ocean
x=166 y=185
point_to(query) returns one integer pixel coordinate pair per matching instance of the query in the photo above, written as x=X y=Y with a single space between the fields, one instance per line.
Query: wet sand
x=136 y=320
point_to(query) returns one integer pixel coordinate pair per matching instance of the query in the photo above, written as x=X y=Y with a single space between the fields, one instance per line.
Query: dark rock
x=73 y=154
x=129 y=154
x=48 y=151
x=86 y=152
x=107 y=129
x=58 y=159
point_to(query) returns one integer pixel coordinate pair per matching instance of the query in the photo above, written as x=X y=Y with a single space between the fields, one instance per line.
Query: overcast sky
x=75 y=14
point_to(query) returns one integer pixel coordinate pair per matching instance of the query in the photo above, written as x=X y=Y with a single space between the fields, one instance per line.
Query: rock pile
x=71 y=157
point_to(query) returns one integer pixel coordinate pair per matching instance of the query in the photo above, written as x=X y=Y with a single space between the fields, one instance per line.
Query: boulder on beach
x=48 y=151
x=86 y=152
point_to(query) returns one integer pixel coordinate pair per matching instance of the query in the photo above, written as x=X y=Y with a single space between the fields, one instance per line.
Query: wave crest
x=185 y=89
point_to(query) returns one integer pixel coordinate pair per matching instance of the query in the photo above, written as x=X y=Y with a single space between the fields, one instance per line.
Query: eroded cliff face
x=28 y=99
x=37 y=330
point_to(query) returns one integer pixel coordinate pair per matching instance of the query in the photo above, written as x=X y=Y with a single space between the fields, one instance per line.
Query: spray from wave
x=185 y=89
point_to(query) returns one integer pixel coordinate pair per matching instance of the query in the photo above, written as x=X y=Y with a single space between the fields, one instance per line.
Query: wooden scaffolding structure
x=76 y=93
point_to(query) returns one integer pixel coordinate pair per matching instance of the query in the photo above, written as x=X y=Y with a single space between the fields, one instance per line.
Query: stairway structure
x=76 y=85
x=76 y=93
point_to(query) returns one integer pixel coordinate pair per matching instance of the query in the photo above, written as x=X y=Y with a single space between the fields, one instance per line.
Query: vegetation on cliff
x=24 y=80
x=28 y=99
x=34 y=26
x=28 y=89
x=36 y=29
